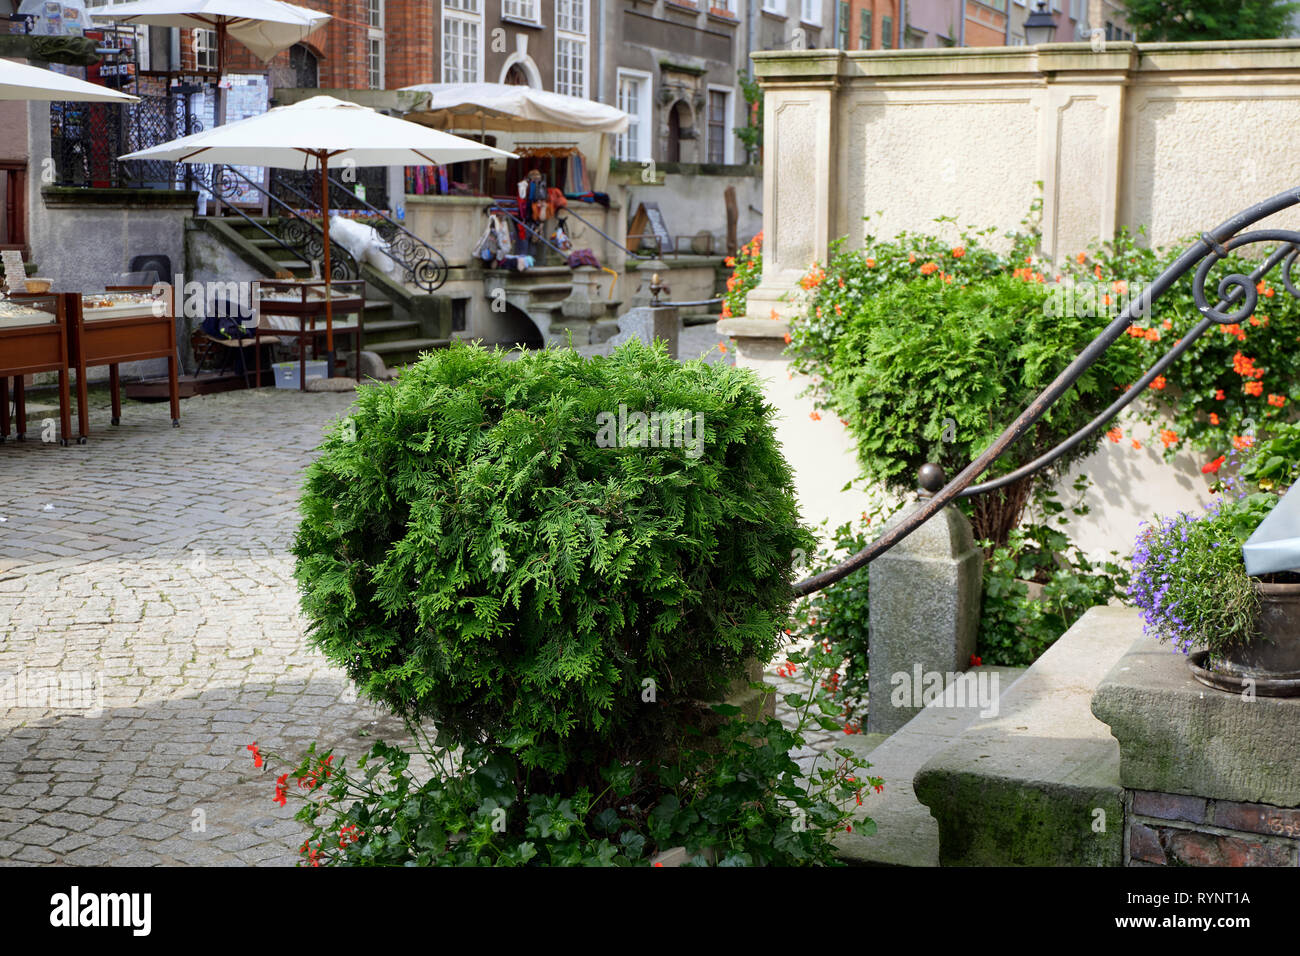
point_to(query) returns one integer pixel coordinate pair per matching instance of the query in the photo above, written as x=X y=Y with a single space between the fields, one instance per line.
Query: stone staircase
x=396 y=338
x=1036 y=784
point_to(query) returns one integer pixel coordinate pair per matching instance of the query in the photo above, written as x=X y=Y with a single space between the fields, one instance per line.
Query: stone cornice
x=1114 y=62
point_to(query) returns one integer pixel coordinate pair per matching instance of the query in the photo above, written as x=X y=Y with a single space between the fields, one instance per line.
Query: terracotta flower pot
x=1271 y=664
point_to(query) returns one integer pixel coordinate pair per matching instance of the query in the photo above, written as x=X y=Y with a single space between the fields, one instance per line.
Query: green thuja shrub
x=501 y=547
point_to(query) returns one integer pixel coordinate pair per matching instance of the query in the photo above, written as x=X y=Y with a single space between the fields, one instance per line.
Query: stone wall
x=1209 y=776
x=1174 y=137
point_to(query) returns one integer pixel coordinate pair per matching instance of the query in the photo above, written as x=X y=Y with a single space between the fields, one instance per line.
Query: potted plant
x=1191 y=583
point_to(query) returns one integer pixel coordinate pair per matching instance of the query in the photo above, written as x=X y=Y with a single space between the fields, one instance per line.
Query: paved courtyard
x=149 y=631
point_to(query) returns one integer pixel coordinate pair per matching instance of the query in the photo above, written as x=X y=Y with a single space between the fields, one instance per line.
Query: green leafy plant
x=837 y=618
x=751 y=134
x=733 y=798
x=928 y=370
x=1016 y=624
x=1234 y=380
x=1189 y=577
x=1272 y=463
x=1189 y=20
x=747 y=272
x=506 y=549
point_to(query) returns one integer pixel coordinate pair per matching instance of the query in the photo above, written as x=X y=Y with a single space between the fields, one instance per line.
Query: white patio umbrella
x=20 y=81
x=311 y=133
x=264 y=26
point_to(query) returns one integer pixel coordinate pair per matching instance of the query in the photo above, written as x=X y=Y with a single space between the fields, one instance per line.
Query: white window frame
x=810 y=11
x=375 y=35
x=525 y=10
x=563 y=19
x=205 y=49
x=644 y=115
x=774 y=6
x=468 y=13
x=567 y=34
x=728 y=5
x=729 y=123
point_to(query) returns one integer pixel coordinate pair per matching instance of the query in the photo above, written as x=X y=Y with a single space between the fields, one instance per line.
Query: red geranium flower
x=1212 y=467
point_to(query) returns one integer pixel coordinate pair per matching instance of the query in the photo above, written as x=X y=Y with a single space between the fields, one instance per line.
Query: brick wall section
x=340 y=44
x=411 y=38
x=1169 y=829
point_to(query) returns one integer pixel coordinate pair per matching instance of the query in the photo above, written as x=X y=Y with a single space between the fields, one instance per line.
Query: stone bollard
x=925 y=603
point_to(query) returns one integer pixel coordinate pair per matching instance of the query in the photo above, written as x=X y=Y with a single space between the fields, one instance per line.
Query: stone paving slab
x=147 y=574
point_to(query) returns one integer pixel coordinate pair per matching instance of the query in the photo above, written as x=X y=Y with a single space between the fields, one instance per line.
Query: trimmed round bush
x=553 y=555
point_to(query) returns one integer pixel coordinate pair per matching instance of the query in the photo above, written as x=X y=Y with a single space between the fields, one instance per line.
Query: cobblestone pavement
x=147 y=576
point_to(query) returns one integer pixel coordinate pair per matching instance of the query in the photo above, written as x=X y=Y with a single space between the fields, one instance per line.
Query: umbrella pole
x=325 y=227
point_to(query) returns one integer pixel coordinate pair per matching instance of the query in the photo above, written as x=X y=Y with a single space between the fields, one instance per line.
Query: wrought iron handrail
x=216 y=194
x=307 y=238
x=570 y=211
x=1211 y=248
x=423 y=264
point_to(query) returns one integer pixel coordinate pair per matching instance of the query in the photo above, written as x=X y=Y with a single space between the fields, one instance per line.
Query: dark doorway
x=517 y=76
x=305 y=67
x=677 y=121
x=13 y=186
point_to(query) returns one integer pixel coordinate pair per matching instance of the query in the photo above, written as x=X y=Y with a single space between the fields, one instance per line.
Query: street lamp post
x=1040 y=26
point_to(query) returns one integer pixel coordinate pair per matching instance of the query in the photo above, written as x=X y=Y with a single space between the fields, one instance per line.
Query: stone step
x=907 y=835
x=390 y=330
x=540 y=288
x=405 y=351
x=1038 y=784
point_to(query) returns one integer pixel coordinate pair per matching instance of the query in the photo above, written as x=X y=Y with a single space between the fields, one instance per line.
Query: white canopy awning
x=296 y=136
x=520 y=109
x=20 y=81
x=264 y=26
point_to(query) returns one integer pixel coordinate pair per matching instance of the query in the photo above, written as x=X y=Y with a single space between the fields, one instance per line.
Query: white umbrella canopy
x=502 y=106
x=20 y=81
x=266 y=27
x=297 y=136
x=310 y=135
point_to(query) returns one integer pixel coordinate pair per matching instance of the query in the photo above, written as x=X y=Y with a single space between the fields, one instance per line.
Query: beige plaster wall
x=1173 y=137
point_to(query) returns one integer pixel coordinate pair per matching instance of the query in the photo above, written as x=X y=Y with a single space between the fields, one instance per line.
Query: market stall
x=33 y=338
x=290 y=309
x=121 y=324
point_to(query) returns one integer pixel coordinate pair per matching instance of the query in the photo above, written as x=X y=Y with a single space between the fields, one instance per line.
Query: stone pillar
x=800 y=142
x=925 y=603
x=1080 y=144
x=820 y=449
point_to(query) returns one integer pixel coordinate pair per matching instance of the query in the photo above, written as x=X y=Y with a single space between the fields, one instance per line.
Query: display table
x=33 y=338
x=303 y=301
x=122 y=324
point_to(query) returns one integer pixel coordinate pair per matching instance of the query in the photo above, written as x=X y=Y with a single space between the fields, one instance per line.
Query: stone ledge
x=1024 y=788
x=63 y=196
x=1178 y=736
x=754 y=328
x=796 y=68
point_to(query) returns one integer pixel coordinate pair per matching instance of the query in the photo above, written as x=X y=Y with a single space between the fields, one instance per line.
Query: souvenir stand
x=33 y=338
x=121 y=324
